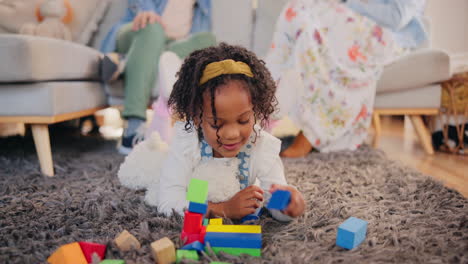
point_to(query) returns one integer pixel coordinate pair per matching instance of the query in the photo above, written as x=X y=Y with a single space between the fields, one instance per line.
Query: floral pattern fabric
x=338 y=55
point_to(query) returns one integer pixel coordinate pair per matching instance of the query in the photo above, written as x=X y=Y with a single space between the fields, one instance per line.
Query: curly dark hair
x=186 y=99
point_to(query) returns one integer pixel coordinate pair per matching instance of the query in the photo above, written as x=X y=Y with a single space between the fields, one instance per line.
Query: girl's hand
x=241 y=204
x=143 y=18
x=297 y=205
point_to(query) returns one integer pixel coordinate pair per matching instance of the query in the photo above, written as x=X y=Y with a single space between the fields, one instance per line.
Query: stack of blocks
x=351 y=233
x=234 y=239
x=193 y=232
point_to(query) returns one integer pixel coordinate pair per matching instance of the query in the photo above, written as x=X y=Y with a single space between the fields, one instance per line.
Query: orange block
x=68 y=254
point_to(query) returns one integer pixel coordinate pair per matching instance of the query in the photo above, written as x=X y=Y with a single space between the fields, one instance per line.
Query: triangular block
x=90 y=248
x=68 y=254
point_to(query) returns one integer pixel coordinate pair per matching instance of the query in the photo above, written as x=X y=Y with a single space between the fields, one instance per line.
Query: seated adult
x=148 y=28
x=335 y=52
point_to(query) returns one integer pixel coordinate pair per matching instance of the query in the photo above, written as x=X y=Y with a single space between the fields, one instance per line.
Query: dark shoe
x=130 y=141
x=112 y=65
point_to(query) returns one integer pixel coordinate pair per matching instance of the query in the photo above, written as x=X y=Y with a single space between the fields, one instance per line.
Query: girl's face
x=235 y=119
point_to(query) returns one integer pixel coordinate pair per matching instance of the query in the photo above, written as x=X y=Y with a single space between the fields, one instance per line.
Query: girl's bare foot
x=299 y=148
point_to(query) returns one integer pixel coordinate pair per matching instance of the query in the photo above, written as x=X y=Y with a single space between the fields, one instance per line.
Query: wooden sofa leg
x=377 y=128
x=423 y=133
x=42 y=142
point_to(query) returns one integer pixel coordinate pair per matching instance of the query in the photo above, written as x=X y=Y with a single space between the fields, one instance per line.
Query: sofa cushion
x=31 y=58
x=415 y=70
x=422 y=97
x=50 y=98
x=87 y=15
x=267 y=14
x=114 y=13
x=232 y=21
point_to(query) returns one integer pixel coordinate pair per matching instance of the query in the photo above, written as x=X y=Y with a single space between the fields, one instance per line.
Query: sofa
x=45 y=81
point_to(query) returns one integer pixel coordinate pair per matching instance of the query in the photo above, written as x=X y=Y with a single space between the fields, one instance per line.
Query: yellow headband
x=218 y=68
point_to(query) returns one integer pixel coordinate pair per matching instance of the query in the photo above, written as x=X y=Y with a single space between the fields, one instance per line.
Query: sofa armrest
x=415 y=70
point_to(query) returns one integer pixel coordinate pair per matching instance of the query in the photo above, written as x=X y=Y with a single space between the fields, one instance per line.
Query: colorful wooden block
x=206 y=221
x=186 y=254
x=194 y=246
x=252 y=217
x=90 y=248
x=234 y=228
x=238 y=240
x=112 y=261
x=192 y=222
x=126 y=241
x=351 y=233
x=188 y=238
x=197 y=191
x=279 y=200
x=216 y=221
x=163 y=251
x=68 y=254
x=256 y=252
x=198 y=207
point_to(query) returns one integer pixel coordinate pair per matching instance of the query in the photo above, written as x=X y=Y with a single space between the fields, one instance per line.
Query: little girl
x=225 y=95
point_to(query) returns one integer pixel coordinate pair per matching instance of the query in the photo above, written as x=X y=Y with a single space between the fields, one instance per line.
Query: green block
x=112 y=261
x=197 y=191
x=256 y=252
x=206 y=221
x=187 y=254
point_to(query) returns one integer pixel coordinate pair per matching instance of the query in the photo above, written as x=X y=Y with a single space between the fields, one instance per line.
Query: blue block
x=252 y=217
x=279 y=200
x=234 y=240
x=194 y=246
x=198 y=207
x=351 y=233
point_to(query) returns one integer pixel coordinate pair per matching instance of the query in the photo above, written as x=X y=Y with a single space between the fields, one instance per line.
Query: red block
x=192 y=237
x=90 y=248
x=193 y=222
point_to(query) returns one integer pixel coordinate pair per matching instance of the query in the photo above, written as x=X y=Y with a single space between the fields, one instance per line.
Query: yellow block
x=234 y=228
x=216 y=221
x=68 y=254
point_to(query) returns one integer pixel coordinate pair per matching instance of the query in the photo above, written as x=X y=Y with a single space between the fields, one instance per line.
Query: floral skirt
x=326 y=60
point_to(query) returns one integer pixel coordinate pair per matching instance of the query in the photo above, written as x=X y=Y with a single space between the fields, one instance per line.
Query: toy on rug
x=279 y=200
x=68 y=254
x=231 y=239
x=163 y=251
x=351 y=233
x=52 y=16
x=126 y=241
x=78 y=253
x=112 y=261
x=142 y=163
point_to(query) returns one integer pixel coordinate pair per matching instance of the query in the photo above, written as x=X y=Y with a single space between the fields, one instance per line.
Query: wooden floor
x=399 y=142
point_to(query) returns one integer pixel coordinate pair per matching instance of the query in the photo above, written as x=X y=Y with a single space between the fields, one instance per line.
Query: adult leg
x=196 y=41
x=143 y=49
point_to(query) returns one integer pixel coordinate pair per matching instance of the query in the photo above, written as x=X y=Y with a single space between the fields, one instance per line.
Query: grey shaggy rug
x=412 y=218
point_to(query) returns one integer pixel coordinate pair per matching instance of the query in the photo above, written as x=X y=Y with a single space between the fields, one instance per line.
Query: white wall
x=449 y=24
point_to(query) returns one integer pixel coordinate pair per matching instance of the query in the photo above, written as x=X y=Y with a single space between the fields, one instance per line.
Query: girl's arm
x=241 y=204
x=394 y=14
x=270 y=173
